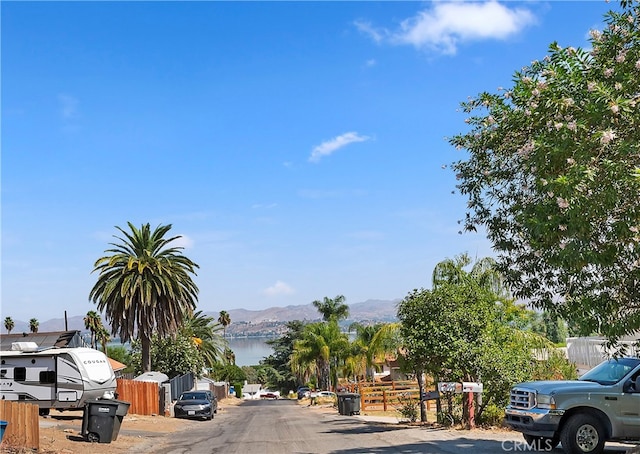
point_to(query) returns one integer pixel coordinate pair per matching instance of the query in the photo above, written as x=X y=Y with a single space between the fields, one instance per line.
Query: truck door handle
x=610 y=398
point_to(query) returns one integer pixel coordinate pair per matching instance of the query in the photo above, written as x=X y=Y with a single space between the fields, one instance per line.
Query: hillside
x=367 y=311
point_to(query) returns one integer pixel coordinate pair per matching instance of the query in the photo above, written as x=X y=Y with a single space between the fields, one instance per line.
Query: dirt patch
x=60 y=433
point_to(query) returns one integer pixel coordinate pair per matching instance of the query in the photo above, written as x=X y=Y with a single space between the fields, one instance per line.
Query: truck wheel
x=583 y=433
x=541 y=443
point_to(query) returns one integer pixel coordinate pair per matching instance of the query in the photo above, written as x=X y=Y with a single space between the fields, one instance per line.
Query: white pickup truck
x=602 y=405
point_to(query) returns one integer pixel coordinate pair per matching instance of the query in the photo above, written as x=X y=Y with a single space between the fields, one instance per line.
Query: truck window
x=20 y=373
x=47 y=376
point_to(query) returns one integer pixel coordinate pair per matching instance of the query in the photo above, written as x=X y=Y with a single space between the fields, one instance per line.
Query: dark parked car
x=194 y=404
x=213 y=399
x=303 y=391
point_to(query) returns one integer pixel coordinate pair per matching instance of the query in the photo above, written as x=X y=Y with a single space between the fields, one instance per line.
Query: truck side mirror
x=632 y=385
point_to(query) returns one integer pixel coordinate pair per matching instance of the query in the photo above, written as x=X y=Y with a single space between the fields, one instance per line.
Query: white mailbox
x=471 y=387
x=450 y=387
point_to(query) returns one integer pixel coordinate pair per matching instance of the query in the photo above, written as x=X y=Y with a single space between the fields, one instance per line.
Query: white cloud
x=184 y=241
x=279 y=288
x=443 y=27
x=68 y=106
x=330 y=146
x=375 y=34
x=264 y=206
x=371 y=62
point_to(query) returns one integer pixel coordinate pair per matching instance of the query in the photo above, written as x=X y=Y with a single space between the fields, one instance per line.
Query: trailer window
x=47 y=376
x=20 y=373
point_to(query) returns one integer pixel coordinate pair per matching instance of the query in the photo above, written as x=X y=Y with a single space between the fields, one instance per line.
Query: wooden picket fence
x=143 y=396
x=23 y=428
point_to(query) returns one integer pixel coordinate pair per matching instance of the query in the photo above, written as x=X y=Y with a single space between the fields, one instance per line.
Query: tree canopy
x=462 y=330
x=332 y=309
x=553 y=175
x=9 y=324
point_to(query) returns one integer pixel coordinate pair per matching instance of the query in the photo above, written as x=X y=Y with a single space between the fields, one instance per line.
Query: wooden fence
x=23 y=428
x=143 y=396
x=386 y=396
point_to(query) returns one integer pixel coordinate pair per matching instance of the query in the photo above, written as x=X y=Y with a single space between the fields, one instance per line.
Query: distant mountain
x=370 y=310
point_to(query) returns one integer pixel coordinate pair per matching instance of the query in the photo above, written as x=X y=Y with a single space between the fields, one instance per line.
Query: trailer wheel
x=43 y=411
x=93 y=437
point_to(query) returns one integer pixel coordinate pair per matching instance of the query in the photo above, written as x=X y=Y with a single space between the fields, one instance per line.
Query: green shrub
x=408 y=408
x=491 y=415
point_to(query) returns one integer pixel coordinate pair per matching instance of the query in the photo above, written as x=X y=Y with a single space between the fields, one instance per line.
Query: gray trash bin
x=349 y=404
x=102 y=418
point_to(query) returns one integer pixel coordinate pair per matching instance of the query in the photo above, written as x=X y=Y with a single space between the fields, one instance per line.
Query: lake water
x=249 y=350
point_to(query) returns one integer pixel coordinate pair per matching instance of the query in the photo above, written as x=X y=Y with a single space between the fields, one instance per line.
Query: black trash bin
x=121 y=412
x=102 y=418
x=349 y=404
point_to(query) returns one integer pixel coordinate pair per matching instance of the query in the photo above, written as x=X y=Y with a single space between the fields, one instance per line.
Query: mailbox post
x=469 y=388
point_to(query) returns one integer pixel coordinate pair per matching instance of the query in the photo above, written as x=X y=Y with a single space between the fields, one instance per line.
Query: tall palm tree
x=332 y=308
x=371 y=344
x=33 y=325
x=321 y=344
x=225 y=320
x=9 y=324
x=229 y=356
x=145 y=286
x=93 y=323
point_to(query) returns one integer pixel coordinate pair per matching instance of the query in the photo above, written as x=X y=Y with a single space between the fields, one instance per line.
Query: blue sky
x=298 y=147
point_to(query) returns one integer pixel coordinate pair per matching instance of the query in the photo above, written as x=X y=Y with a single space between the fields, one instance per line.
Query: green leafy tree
x=284 y=379
x=122 y=355
x=550 y=326
x=171 y=355
x=229 y=373
x=225 y=320
x=145 y=286
x=461 y=330
x=93 y=323
x=553 y=175
x=34 y=324
x=332 y=309
x=9 y=324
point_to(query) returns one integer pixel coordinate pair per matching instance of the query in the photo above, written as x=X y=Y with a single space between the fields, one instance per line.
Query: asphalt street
x=283 y=427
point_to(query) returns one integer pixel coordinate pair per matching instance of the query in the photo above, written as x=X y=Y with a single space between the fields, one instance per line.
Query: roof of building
x=157 y=377
x=57 y=339
x=116 y=365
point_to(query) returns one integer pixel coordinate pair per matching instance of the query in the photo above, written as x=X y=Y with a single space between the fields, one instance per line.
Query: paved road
x=283 y=427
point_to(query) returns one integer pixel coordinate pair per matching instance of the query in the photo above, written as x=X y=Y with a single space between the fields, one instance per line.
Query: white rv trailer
x=62 y=378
